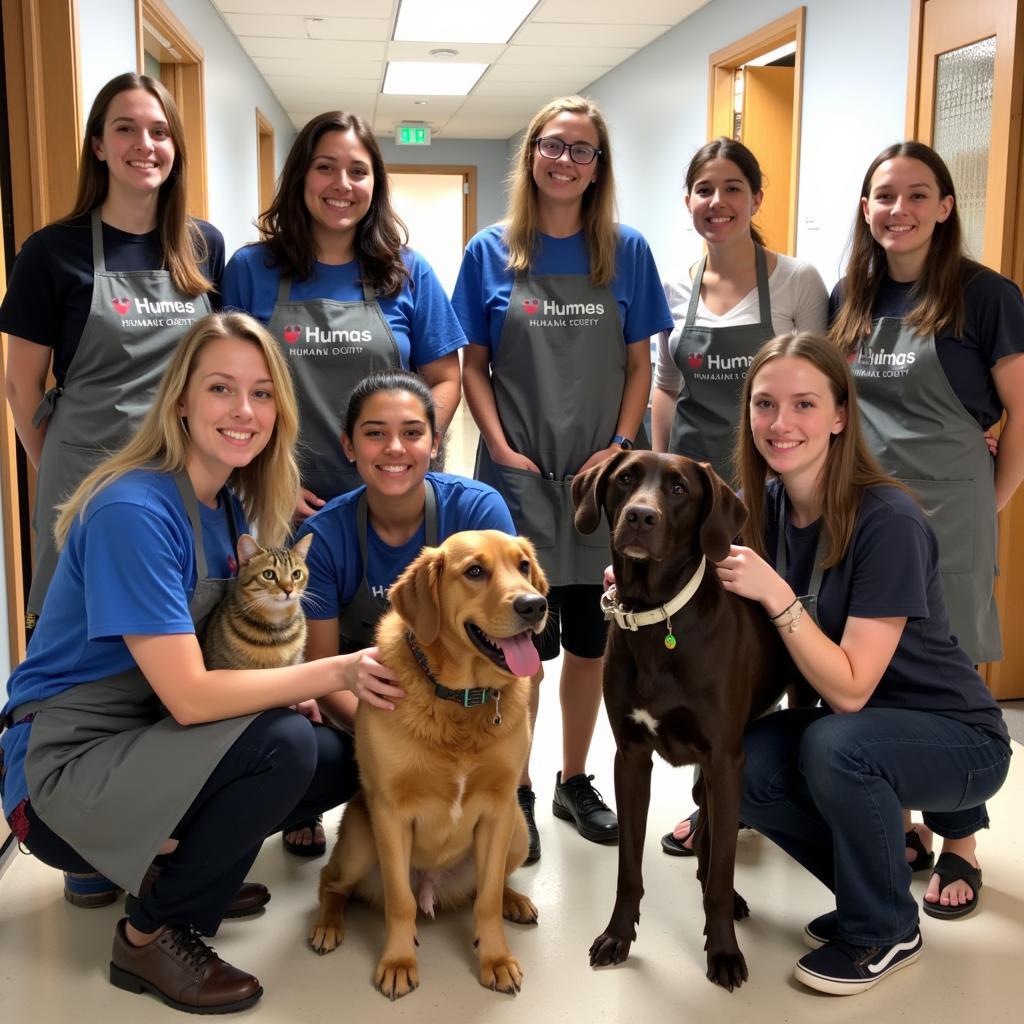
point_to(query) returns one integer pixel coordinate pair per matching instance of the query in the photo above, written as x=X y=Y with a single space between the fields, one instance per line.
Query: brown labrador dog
x=686 y=687
x=437 y=818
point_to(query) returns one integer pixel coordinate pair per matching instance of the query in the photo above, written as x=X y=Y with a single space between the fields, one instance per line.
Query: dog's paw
x=397 y=977
x=517 y=907
x=740 y=909
x=609 y=949
x=501 y=974
x=325 y=938
x=727 y=969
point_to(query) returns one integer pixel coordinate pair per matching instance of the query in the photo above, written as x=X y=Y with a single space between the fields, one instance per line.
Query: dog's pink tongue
x=520 y=654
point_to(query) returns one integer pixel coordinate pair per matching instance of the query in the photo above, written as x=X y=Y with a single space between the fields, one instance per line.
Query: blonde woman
x=559 y=303
x=181 y=799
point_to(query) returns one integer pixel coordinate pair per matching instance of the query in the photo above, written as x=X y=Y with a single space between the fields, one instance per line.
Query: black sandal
x=312 y=849
x=925 y=858
x=951 y=867
x=674 y=847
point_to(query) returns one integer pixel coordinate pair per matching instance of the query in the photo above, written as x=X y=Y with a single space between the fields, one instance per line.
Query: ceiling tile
x=297 y=26
x=566 y=56
x=336 y=72
x=537 y=90
x=324 y=52
x=637 y=12
x=559 y=34
x=502 y=72
x=369 y=9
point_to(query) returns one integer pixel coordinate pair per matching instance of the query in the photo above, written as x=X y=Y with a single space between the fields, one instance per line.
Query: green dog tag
x=670 y=641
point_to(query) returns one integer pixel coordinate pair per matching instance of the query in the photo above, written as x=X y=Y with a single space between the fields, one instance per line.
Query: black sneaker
x=577 y=801
x=527 y=798
x=821 y=930
x=844 y=970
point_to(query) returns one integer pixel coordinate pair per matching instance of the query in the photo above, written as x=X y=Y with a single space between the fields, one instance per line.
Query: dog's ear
x=722 y=514
x=588 y=491
x=415 y=595
x=537 y=577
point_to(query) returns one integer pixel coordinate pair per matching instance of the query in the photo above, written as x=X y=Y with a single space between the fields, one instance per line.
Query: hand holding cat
x=371 y=681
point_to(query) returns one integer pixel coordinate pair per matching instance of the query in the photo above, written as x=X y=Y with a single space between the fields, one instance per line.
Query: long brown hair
x=266 y=486
x=849 y=469
x=286 y=225
x=600 y=233
x=181 y=242
x=724 y=148
x=938 y=293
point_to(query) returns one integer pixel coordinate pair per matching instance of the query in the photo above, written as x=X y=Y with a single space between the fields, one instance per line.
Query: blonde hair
x=267 y=486
x=600 y=233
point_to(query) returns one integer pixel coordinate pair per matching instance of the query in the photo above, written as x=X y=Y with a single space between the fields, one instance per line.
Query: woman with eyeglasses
x=559 y=303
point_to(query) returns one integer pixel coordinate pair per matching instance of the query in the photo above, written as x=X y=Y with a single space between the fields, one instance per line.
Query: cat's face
x=273 y=578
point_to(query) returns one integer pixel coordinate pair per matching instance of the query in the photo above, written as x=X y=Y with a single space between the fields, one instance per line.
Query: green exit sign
x=412 y=135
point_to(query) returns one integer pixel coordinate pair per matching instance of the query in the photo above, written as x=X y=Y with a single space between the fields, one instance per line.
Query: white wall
x=854 y=95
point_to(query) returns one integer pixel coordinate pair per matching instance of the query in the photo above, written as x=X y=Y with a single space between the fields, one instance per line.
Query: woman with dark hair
x=905 y=718
x=102 y=296
x=365 y=539
x=937 y=341
x=559 y=303
x=336 y=286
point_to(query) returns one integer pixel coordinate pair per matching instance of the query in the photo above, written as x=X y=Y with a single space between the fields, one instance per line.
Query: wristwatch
x=623 y=442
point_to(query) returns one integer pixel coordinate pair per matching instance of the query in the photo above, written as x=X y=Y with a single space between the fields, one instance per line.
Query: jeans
x=829 y=790
x=282 y=770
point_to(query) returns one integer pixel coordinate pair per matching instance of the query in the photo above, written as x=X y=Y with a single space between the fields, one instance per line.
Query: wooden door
x=965 y=98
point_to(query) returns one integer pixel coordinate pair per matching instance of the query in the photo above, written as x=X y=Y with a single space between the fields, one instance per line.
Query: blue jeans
x=829 y=790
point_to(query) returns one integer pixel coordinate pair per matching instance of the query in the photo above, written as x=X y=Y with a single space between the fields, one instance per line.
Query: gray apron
x=923 y=436
x=136 y=319
x=714 y=362
x=108 y=769
x=558 y=379
x=330 y=346
x=358 y=620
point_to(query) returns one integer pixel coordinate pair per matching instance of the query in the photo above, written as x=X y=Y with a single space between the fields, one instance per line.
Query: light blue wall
x=854 y=95
x=489 y=156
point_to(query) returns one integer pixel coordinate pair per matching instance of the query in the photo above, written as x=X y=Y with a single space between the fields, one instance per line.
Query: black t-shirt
x=993 y=328
x=50 y=288
x=891 y=569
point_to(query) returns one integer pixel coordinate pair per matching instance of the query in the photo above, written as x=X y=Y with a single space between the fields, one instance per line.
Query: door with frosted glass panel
x=964 y=98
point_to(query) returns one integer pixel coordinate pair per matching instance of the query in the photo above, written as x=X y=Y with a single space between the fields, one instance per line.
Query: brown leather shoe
x=251 y=896
x=183 y=971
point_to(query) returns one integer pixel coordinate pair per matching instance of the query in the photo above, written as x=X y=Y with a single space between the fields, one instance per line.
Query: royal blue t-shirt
x=891 y=570
x=335 y=566
x=420 y=315
x=484 y=286
x=128 y=569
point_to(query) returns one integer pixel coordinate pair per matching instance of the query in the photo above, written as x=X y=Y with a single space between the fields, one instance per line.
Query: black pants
x=282 y=770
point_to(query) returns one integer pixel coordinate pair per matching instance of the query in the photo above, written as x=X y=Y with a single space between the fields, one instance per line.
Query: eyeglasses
x=579 y=152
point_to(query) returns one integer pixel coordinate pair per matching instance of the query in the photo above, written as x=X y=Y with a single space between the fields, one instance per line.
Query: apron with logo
x=358 y=620
x=714 y=363
x=558 y=379
x=136 y=319
x=108 y=769
x=923 y=436
x=330 y=346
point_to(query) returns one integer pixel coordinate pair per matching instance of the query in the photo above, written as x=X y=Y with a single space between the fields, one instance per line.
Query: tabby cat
x=260 y=622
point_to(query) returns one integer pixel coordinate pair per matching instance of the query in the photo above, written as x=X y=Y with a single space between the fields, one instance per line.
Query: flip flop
x=950 y=867
x=925 y=858
x=313 y=849
x=674 y=847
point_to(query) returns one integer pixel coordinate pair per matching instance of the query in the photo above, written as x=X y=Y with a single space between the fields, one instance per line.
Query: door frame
x=468 y=172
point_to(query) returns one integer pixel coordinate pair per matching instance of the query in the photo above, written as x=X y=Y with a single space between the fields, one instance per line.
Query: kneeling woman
x=365 y=539
x=906 y=720
x=124 y=754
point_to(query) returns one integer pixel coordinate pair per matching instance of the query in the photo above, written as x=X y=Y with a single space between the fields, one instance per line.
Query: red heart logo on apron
x=292 y=333
x=122 y=305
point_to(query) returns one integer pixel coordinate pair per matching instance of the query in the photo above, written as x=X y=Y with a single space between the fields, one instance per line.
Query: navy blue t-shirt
x=891 y=569
x=993 y=328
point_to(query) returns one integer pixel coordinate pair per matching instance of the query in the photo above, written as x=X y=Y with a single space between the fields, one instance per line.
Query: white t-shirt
x=799 y=303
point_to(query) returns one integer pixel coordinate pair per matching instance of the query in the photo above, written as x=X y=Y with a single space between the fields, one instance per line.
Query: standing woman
x=101 y=297
x=738 y=296
x=937 y=341
x=341 y=293
x=122 y=751
x=559 y=303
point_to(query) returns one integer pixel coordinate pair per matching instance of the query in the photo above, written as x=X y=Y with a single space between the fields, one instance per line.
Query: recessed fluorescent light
x=425 y=78
x=460 y=21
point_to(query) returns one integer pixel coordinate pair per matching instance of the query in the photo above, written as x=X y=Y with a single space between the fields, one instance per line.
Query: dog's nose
x=532 y=607
x=643 y=517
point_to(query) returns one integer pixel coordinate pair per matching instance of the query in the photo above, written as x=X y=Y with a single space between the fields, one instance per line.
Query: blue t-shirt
x=484 y=287
x=891 y=569
x=335 y=566
x=420 y=315
x=128 y=569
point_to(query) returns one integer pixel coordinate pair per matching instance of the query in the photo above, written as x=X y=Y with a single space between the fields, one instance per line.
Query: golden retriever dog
x=437 y=818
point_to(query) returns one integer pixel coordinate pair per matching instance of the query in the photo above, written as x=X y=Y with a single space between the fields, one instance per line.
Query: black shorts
x=575 y=622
